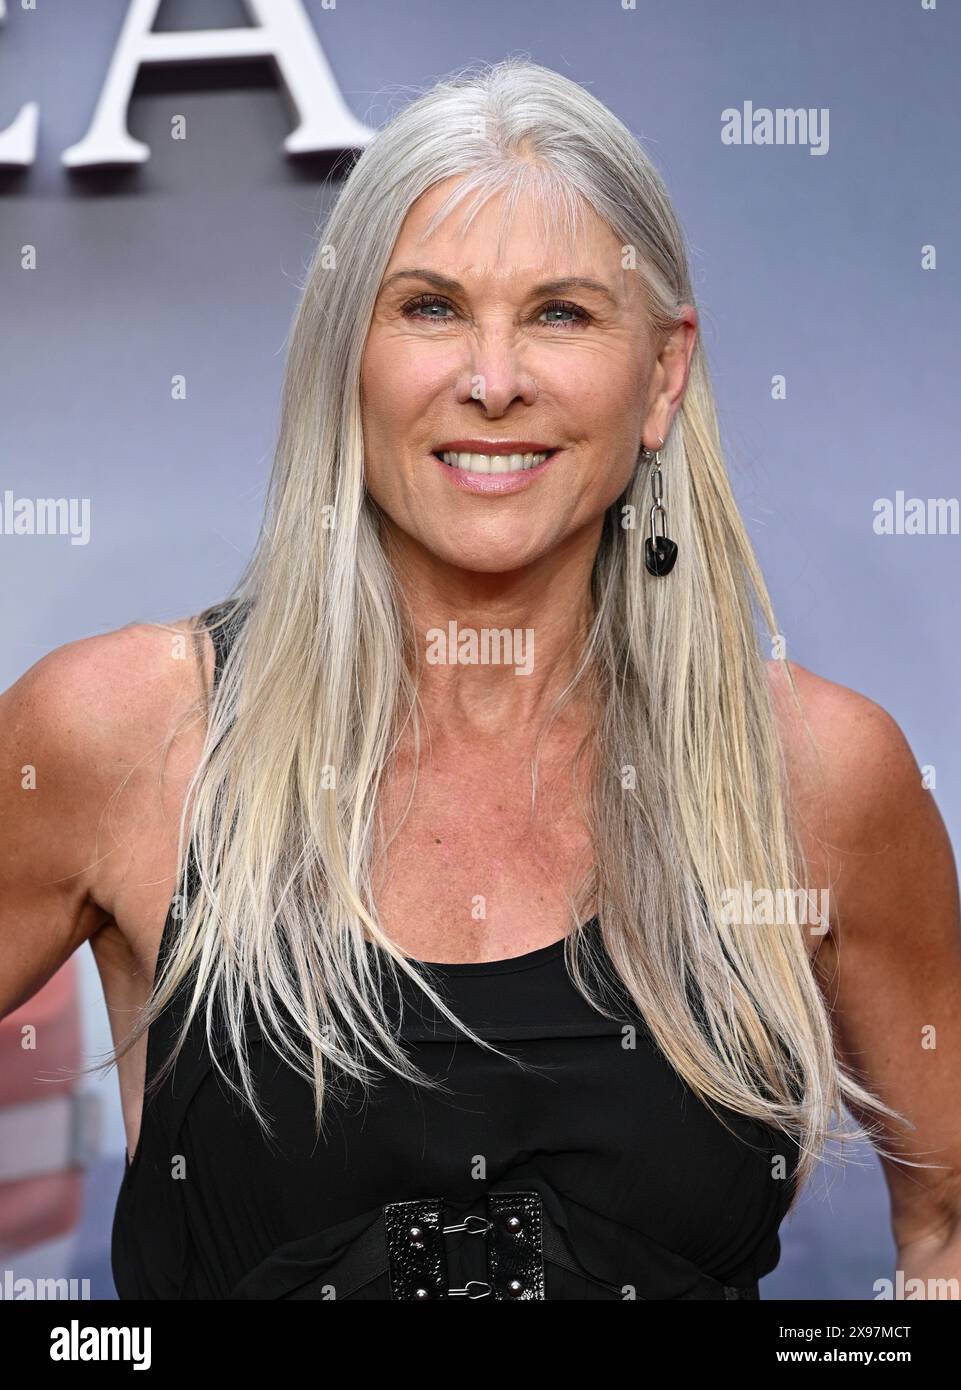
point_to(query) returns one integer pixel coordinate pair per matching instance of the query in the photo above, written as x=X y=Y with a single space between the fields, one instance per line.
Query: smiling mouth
x=495 y=463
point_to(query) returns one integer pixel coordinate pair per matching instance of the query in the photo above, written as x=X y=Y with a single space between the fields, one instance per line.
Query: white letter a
x=281 y=31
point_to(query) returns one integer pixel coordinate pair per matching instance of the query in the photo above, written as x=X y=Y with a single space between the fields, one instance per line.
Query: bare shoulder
x=102 y=699
x=861 y=801
x=839 y=742
x=86 y=716
x=84 y=740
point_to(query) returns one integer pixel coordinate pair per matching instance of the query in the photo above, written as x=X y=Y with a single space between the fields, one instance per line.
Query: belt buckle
x=417 y=1257
x=515 y=1251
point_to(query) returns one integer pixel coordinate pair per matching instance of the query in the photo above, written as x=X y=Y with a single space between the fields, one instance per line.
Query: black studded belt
x=519 y=1237
x=507 y=1249
x=417 y=1255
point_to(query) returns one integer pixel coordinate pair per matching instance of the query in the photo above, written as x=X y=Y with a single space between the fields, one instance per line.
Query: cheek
x=616 y=387
x=613 y=421
x=375 y=394
x=601 y=388
x=397 y=383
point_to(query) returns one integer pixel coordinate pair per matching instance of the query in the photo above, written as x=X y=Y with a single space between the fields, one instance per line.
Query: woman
x=454 y=998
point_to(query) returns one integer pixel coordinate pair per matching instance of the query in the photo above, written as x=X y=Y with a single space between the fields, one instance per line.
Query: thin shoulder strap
x=222 y=633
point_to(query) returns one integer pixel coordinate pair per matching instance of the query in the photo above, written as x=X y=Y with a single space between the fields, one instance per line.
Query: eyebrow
x=444 y=282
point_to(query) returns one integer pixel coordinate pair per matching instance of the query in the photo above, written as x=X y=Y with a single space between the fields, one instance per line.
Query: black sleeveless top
x=590 y=1171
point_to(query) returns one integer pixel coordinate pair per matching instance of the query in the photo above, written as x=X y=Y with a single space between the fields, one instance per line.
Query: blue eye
x=564 y=306
x=432 y=301
x=425 y=301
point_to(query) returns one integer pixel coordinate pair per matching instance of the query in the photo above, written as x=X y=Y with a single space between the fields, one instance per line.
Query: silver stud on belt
x=417 y=1256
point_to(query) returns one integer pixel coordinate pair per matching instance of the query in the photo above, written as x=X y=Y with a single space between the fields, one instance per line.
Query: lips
x=531 y=458
x=495 y=446
x=469 y=474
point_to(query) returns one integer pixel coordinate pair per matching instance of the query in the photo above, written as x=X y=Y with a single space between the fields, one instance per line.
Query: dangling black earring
x=660 y=552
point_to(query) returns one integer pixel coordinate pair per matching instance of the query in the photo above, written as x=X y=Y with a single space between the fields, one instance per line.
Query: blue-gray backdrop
x=828 y=289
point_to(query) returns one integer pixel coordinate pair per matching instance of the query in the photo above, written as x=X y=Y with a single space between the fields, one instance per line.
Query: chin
x=484 y=561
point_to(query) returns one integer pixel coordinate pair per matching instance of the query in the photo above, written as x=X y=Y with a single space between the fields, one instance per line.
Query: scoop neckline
x=508 y=965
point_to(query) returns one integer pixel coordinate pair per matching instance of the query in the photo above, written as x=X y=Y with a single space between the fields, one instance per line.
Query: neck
x=495 y=649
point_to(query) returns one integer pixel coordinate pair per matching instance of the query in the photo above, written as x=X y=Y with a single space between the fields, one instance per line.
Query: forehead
x=506 y=234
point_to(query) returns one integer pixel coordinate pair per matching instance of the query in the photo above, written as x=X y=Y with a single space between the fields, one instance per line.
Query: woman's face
x=469 y=350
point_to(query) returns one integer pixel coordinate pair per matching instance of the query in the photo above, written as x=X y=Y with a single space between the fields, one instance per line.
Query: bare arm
x=890 y=969
x=47 y=822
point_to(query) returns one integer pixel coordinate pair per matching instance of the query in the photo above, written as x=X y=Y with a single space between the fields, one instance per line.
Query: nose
x=496 y=377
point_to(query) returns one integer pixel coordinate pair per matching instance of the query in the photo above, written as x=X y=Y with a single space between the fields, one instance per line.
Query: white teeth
x=493 y=463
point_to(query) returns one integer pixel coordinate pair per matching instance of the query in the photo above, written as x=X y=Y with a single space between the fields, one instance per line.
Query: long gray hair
x=689 y=792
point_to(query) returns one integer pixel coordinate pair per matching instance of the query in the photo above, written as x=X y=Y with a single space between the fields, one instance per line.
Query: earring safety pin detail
x=660 y=552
